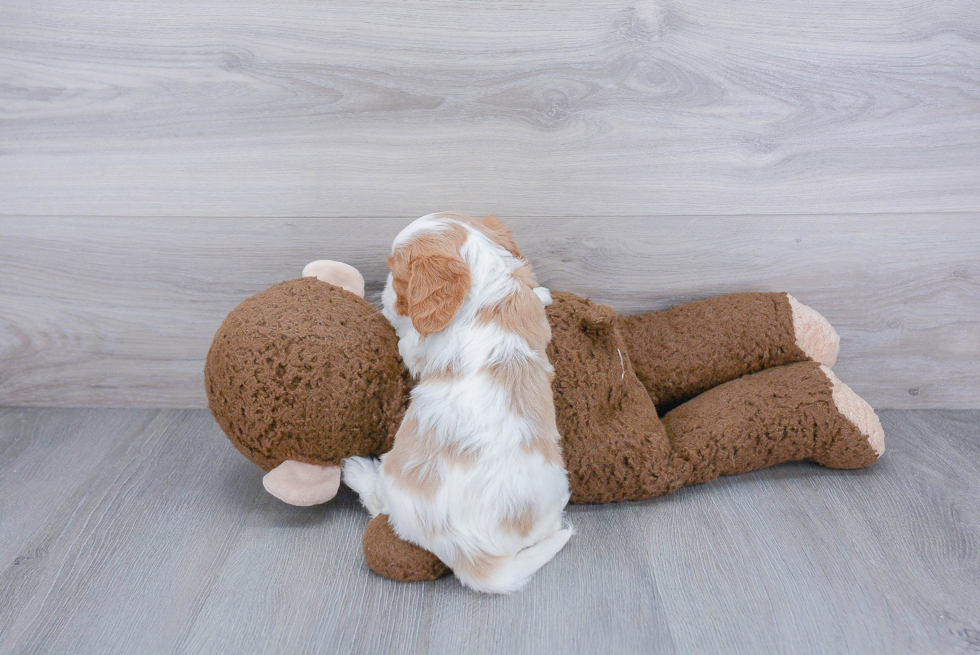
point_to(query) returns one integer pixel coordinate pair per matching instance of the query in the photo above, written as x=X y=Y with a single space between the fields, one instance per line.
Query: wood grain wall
x=161 y=160
x=121 y=311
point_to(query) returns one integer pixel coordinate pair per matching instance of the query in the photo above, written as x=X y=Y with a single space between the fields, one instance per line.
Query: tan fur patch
x=530 y=388
x=525 y=275
x=521 y=523
x=547 y=445
x=453 y=455
x=480 y=567
x=492 y=228
x=496 y=230
x=445 y=375
x=430 y=279
x=415 y=459
x=528 y=383
x=407 y=463
x=521 y=313
x=398 y=265
x=453 y=371
x=531 y=398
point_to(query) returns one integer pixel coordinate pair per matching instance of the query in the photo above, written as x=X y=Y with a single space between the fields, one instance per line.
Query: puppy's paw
x=544 y=294
x=361 y=475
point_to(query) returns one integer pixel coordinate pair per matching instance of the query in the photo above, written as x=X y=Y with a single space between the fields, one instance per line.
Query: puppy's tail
x=361 y=475
x=503 y=575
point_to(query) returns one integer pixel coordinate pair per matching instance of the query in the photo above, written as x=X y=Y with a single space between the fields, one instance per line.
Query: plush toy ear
x=437 y=286
x=338 y=274
x=599 y=320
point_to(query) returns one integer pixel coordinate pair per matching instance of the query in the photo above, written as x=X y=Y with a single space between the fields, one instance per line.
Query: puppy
x=476 y=474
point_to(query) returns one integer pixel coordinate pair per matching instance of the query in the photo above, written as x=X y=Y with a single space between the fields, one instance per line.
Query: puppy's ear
x=500 y=233
x=437 y=286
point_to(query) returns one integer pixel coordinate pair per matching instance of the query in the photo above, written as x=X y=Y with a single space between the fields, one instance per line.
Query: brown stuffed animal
x=306 y=374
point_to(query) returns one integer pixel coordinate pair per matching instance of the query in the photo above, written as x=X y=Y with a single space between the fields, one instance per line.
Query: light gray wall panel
x=121 y=311
x=570 y=108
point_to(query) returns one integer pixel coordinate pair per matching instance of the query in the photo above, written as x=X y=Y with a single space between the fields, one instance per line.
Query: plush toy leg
x=389 y=556
x=686 y=350
x=837 y=454
x=794 y=412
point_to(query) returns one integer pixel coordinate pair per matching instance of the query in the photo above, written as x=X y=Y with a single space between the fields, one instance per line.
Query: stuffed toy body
x=306 y=374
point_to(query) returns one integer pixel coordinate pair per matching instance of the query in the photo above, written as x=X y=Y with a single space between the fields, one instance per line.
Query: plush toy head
x=310 y=373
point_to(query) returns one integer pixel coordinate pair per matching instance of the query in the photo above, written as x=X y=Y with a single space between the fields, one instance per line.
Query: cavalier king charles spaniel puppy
x=476 y=474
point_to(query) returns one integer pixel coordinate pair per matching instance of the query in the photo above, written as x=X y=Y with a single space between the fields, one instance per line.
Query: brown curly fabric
x=306 y=371
x=309 y=372
x=614 y=445
x=288 y=378
x=683 y=351
x=386 y=554
x=778 y=415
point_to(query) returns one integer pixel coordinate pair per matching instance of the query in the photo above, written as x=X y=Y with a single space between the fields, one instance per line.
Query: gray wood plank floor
x=144 y=531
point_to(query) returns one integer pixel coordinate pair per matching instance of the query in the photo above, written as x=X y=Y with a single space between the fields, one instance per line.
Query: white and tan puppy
x=476 y=473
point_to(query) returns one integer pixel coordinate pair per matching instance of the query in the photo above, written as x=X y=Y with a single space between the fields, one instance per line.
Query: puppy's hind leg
x=361 y=474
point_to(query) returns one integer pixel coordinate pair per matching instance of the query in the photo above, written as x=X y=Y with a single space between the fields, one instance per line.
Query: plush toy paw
x=856 y=410
x=388 y=555
x=338 y=274
x=815 y=336
x=302 y=484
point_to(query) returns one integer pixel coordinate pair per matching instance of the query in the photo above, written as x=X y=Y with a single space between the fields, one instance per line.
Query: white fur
x=361 y=475
x=545 y=295
x=472 y=412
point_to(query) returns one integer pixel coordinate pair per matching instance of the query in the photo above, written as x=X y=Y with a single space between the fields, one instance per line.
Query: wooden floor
x=144 y=531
